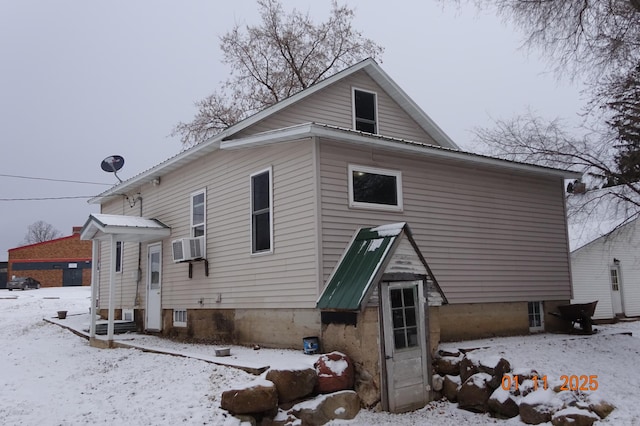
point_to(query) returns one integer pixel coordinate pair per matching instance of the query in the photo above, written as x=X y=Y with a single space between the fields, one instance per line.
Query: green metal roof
x=359 y=266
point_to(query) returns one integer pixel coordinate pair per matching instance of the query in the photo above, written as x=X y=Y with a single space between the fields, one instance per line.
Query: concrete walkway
x=254 y=361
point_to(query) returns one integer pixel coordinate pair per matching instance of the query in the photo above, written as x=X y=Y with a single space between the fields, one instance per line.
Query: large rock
x=335 y=373
x=494 y=365
x=467 y=368
x=599 y=406
x=539 y=406
x=293 y=384
x=343 y=405
x=367 y=387
x=258 y=397
x=436 y=382
x=501 y=403
x=447 y=365
x=450 y=387
x=475 y=392
x=573 y=416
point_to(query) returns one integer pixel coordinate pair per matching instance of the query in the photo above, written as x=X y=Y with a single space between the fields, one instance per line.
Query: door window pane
x=404 y=316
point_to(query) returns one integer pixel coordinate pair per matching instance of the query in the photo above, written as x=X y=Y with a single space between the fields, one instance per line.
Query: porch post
x=94 y=286
x=112 y=289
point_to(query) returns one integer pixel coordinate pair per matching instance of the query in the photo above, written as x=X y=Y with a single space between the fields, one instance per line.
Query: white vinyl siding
x=591 y=270
x=488 y=236
x=286 y=278
x=333 y=106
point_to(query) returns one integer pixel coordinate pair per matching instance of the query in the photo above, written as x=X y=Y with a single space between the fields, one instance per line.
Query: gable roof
x=222 y=140
x=361 y=267
x=597 y=213
x=123 y=228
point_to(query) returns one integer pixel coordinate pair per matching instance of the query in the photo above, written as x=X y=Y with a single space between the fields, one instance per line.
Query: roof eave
x=311 y=129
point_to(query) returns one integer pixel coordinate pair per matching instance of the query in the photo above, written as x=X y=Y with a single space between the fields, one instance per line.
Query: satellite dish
x=112 y=164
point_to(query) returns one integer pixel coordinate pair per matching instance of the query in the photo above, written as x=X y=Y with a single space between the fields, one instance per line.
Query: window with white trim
x=119 y=253
x=365 y=111
x=179 y=317
x=261 y=212
x=536 y=316
x=371 y=187
x=198 y=213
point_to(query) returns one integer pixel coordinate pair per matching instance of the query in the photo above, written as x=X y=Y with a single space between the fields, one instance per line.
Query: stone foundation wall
x=362 y=344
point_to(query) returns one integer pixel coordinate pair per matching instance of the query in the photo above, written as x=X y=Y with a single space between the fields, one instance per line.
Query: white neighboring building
x=605 y=260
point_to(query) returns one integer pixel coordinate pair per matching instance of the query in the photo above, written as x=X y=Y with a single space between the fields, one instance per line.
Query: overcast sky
x=82 y=80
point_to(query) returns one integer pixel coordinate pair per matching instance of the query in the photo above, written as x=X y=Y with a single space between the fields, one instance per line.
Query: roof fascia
x=310 y=129
x=158 y=170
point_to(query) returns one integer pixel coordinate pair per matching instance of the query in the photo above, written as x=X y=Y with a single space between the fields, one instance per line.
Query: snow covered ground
x=50 y=376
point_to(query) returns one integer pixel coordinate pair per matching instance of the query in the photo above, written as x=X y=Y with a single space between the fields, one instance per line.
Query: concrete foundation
x=480 y=320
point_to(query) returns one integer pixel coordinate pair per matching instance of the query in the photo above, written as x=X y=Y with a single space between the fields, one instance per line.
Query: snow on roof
x=599 y=212
x=129 y=221
x=123 y=228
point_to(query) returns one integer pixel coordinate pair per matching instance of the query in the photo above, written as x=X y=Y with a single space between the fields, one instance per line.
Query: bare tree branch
x=269 y=62
x=40 y=231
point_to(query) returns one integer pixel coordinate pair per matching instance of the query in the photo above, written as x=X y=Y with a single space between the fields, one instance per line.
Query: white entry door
x=616 y=298
x=405 y=345
x=154 y=287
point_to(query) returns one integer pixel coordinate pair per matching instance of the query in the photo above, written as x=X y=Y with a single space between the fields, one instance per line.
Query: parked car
x=23 y=283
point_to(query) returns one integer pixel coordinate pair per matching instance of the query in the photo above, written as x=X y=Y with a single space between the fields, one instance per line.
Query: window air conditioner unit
x=187 y=249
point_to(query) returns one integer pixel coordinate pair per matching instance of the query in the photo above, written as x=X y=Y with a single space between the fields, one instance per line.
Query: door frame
x=150 y=247
x=387 y=333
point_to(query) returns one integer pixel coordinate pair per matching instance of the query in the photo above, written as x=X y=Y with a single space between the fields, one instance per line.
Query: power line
x=47 y=198
x=56 y=180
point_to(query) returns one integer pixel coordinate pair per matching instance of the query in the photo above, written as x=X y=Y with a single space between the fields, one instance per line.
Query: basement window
x=127 y=315
x=536 y=317
x=179 y=317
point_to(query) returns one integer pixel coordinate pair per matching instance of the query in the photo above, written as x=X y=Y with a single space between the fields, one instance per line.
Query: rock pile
x=313 y=396
x=489 y=385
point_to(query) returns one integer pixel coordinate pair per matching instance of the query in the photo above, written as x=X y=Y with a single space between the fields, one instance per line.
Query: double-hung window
x=119 y=252
x=371 y=187
x=262 y=212
x=198 y=213
x=365 y=111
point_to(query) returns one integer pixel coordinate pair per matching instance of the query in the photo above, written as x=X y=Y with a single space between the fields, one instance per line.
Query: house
x=605 y=257
x=254 y=236
x=59 y=262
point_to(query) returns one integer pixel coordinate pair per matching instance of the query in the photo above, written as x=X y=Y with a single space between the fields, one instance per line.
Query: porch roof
x=123 y=228
x=359 y=266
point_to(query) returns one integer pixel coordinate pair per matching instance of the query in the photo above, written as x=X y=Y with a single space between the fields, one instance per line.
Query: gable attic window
x=365 y=111
x=374 y=188
x=261 y=212
x=198 y=213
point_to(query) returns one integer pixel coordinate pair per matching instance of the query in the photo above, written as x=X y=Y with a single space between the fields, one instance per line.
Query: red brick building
x=61 y=262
